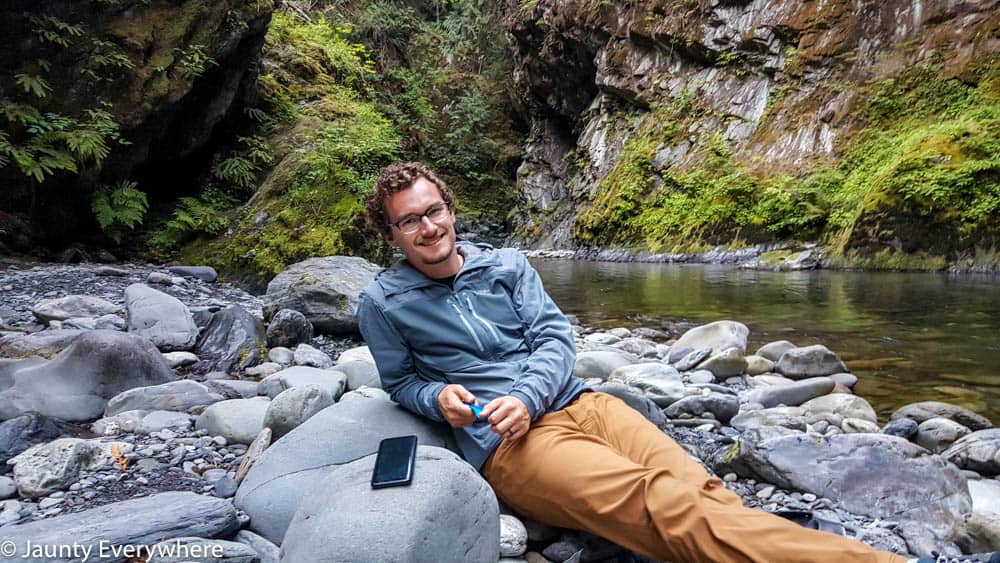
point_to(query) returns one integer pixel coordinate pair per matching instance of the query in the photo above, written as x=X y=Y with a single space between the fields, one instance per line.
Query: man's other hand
x=508 y=417
x=451 y=403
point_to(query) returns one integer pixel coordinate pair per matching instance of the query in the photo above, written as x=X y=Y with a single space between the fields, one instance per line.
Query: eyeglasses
x=437 y=213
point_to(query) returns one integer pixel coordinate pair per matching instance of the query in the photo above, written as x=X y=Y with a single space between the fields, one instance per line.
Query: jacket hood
x=402 y=276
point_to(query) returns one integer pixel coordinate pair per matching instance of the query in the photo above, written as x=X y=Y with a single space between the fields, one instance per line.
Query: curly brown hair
x=395 y=178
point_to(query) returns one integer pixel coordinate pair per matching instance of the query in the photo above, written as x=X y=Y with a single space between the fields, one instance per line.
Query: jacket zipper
x=489 y=327
x=468 y=326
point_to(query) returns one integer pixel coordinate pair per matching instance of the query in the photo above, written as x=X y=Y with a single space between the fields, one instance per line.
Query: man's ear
x=391 y=240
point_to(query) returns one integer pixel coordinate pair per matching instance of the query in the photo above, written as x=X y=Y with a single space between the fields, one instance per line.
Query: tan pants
x=600 y=466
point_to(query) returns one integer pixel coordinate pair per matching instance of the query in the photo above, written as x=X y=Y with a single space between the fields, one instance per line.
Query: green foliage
x=388 y=26
x=33 y=85
x=468 y=144
x=43 y=144
x=193 y=61
x=322 y=56
x=107 y=61
x=241 y=168
x=53 y=30
x=119 y=208
x=193 y=218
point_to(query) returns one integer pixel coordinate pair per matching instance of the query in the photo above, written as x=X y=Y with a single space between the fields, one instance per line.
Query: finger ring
x=510 y=433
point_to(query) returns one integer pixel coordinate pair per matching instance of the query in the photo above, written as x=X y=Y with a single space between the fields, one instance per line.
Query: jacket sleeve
x=395 y=363
x=550 y=341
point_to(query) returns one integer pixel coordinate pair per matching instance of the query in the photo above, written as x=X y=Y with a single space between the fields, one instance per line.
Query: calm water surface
x=908 y=337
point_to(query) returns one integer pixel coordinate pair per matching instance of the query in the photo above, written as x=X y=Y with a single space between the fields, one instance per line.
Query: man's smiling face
x=431 y=249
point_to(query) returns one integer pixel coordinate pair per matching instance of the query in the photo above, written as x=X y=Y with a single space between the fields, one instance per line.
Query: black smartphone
x=394 y=462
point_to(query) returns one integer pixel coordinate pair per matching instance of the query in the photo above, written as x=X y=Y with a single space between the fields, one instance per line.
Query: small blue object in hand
x=476 y=409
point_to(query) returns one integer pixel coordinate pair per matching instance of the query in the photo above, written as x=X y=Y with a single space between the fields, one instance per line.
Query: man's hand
x=508 y=416
x=451 y=403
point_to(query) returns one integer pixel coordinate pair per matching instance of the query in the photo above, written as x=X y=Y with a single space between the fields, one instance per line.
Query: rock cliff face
x=143 y=81
x=775 y=86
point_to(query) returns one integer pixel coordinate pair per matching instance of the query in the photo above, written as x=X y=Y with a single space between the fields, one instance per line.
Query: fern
x=119 y=208
x=55 y=31
x=257 y=151
x=192 y=218
x=237 y=171
x=32 y=84
x=193 y=61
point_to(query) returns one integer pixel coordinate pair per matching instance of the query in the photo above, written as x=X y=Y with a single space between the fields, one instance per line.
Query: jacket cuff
x=528 y=402
x=431 y=392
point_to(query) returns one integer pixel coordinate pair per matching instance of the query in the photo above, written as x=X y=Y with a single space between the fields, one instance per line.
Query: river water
x=907 y=336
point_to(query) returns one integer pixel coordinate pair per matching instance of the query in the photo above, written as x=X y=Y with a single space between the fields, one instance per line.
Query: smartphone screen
x=394 y=462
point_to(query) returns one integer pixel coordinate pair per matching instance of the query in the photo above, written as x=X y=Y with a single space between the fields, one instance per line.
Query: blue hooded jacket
x=495 y=332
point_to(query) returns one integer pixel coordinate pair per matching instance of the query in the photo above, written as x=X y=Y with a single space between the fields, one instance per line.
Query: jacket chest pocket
x=490 y=319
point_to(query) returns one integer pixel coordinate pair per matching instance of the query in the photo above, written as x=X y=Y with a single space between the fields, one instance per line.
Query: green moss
x=889 y=260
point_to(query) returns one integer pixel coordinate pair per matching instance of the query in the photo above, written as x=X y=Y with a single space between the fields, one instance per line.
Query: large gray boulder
x=979 y=451
x=174 y=396
x=773 y=350
x=236 y=420
x=325 y=290
x=46 y=343
x=927 y=410
x=809 y=361
x=717 y=336
x=71 y=306
x=792 y=394
x=49 y=467
x=288 y=328
x=233 y=340
x=294 y=406
x=341 y=433
x=77 y=383
x=134 y=522
x=600 y=363
x=20 y=433
x=448 y=513
x=161 y=318
x=836 y=407
x=722 y=406
x=872 y=474
x=272 y=385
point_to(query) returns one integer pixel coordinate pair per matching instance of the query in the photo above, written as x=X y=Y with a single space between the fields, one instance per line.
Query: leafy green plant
x=240 y=169
x=193 y=61
x=193 y=218
x=107 y=61
x=32 y=84
x=119 y=208
x=53 y=30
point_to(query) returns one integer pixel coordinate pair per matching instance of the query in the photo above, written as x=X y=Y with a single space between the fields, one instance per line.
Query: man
x=455 y=324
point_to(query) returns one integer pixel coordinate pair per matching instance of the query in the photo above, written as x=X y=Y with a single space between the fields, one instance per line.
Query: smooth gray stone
x=294 y=406
x=138 y=521
x=203 y=273
x=716 y=336
x=978 y=532
x=22 y=432
x=979 y=451
x=810 y=361
x=306 y=355
x=49 y=467
x=692 y=359
x=793 y=394
x=664 y=389
x=288 y=328
x=933 y=409
x=71 y=306
x=161 y=318
x=174 y=396
x=637 y=346
x=448 y=513
x=793 y=418
x=360 y=374
x=225 y=487
x=726 y=363
x=77 y=383
x=233 y=341
x=324 y=289
x=723 y=407
x=272 y=385
x=343 y=432
x=233 y=388
x=179 y=359
x=202 y=550
x=600 y=363
x=358 y=353
x=839 y=406
x=46 y=343
x=513 y=536
x=281 y=355
x=267 y=551
x=758 y=365
x=645 y=369
x=871 y=474
x=938 y=434
x=848 y=380
x=773 y=350
x=110 y=271
x=902 y=427
x=236 y=420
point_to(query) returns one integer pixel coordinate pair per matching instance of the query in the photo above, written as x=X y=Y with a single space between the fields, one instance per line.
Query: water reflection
x=908 y=337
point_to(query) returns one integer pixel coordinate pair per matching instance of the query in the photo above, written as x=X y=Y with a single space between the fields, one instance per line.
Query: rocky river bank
x=143 y=404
